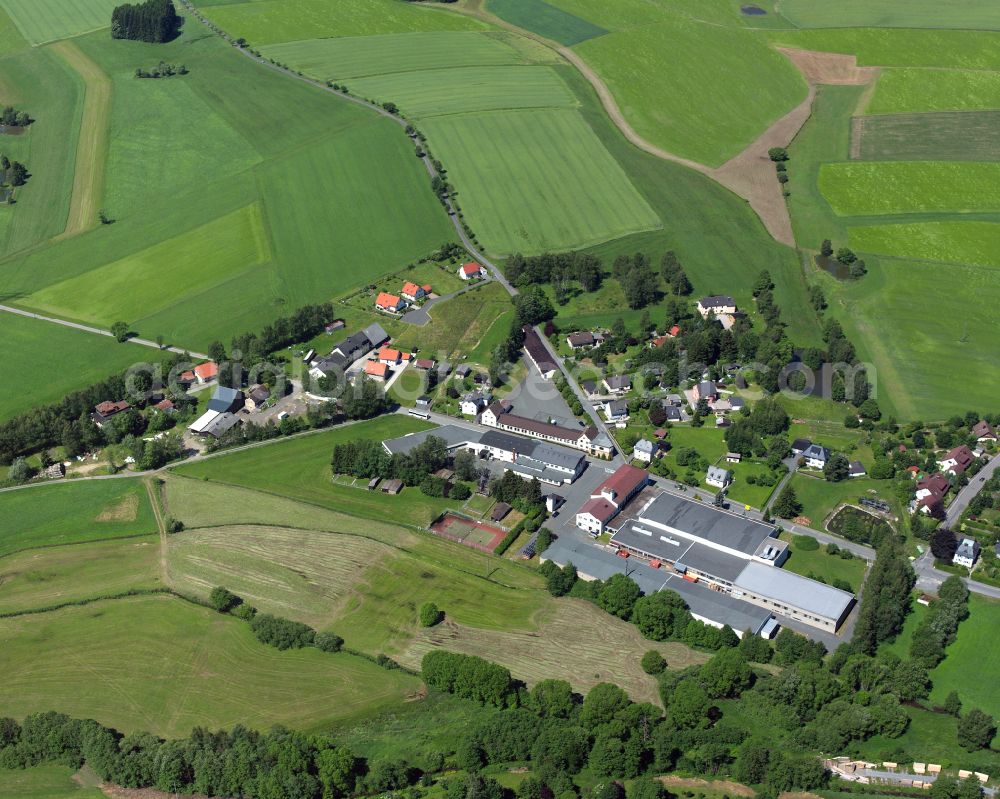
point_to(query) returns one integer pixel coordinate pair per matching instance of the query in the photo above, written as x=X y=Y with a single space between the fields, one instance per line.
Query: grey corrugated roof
x=704 y=521
x=794 y=590
x=453 y=435
x=537 y=450
x=375 y=334
x=719 y=607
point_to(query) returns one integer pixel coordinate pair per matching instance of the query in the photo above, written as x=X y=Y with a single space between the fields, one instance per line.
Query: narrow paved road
x=955 y=510
x=99 y=332
x=929 y=578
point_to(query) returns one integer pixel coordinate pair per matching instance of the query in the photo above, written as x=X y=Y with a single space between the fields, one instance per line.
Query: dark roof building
x=226 y=400
x=538 y=353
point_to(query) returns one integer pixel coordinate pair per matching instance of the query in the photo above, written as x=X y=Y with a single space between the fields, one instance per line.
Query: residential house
x=391 y=357
x=644 y=450
x=722 y=406
x=471 y=271
x=956 y=461
x=582 y=340
x=617 y=384
x=187 y=378
x=737 y=403
x=226 y=400
x=719 y=477
x=611 y=496
x=856 y=469
x=706 y=390
x=733 y=457
x=616 y=410
x=412 y=292
x=984 y=432
x=800 y=445
x=816 y=456
x=589 y=388
x=967 y=553
x=716 y=305
x=659 y=341
x=473 y=402
x=673 y=413
x=206 y=372
x=425 y=364
x=165 y=406
x=930 y=494
x=375 y=334
x=494 y=411
x=673 y=400
x=105 y=411
x=257 y=397
x=389 y=302
x=377 y=370
x=660 y=433
x=538 y=353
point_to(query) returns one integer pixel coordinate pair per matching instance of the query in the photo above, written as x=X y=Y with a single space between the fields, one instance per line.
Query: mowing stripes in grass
x=944 y=136
x=962 y=14
x=47 y=20
x=536 y=180
x=958 y=242
x=160 y=275
x=546 y=20
x=452 y=91
x=913 y=90
x=360 y=56
x=894 y=187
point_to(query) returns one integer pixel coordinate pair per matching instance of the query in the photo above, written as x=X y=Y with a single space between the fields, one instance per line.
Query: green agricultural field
x=74 y=359
x=45 y=782
x=894 y=187
x=943 y=136
x=269 y=21
x=816 y=563
x=69 y=513
x=967 y=663
x=677 y=99
x=820 y=497
x=976 y=243
x=467 y=89
x=536 y=180
x=917 y=90
x=186 y=666
x=961 y=14
x=352 y=57
x=133 y=286
x=47 y=20
x=11 y=40
x=300 y=469
x=546 y=20
x=41 y=578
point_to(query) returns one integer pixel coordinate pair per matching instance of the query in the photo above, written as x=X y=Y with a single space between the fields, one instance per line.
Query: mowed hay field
x=460 y=325
x=967 y=666
x=45 y=782
x=976 y=243
x=952 y=136
x=546 y=20
x=537 y=180
x=164 y=665
x=47 y=20
x=66 y=513
x=918 y=90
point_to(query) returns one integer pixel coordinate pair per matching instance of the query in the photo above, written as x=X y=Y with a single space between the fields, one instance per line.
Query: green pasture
x=817 y=563
x=41 y=578
x=917 y=90
x=186 y=666
x=976 y=243
x=458 y=325
x=271 y=21
x=933 y=738
x=74 y=359
x=536 y=180
x=38 y=80
x=467 y=89
x=45 y=782
x=300 y=469
x=70 y=513
x=967 y=663
x=677 y=99
x=963 y=14
x=941 y=136
x=11 y=39
x=43 y=21
x=495 y=334
x=162 y=275
x=628 y=14
x=350 y=57
x=819 y=497
x=546 y=20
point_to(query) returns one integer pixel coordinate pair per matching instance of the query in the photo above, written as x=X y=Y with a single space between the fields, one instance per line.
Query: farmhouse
x=257 y=396
x=617 y=384
x=105 y=411
x=377 y=370
x=538 y=353
x=412 y=292
x=389 y=302
x=471 y=271
x=967 y=553
x=717 y=304
x=610 y=497
x=206 y=372
x=733 y=554
x=956 y=461
x=214 y=423
x=718 y=477
x=226 y=400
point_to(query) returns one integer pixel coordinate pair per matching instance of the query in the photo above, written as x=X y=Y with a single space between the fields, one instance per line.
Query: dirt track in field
x=832 y=69
x=92 y=146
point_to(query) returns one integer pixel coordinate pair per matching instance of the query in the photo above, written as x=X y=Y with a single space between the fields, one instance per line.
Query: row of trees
x=150 y=21
x=161 y=70
x=555 y=268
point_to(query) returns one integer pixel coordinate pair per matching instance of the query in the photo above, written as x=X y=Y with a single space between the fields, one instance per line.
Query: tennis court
x=468 y=532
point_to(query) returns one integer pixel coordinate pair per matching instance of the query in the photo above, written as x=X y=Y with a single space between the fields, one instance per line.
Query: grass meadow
x=43 y=21
x=919 y=90
x=974 y=243
x=817 y=563
x=860 y=188
x=970 y=14
x=820 y=497
x=546 y=20
x=69 y=513
x=966 y=667
x=45 y=782
x=186 y=666
x=930 y=136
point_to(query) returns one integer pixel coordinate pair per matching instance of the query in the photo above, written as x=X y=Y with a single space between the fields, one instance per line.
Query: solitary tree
x=787 y=505
x=120 y=331
x=952 y=704
x=943 y=544
x=976 y=730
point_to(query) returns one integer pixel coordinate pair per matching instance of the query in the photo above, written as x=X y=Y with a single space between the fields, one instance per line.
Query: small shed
x=373 y=483
x=392 y=486
x=500 y=510
x=660 y=433
x=733 y=457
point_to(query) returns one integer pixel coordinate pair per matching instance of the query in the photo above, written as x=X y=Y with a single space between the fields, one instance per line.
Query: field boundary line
x=78 y=543
x=92 y=142
x=161 y=528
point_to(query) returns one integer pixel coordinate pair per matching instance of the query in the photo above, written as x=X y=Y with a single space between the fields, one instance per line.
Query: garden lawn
x=929 y=136
x=678 y=99
x=967 y=663
x=892 y=14
x=912 y=90
x=536 y=180
x=271 y=21
x=43 y=21
x=42 y=578
x=976 y=243
x=69 y=513
x=740 y=491
x=186 y=666
x=820 y=497
x=408 y=386
x=546 y=20
x=349 y=57
x=45 y=782
x=300 y=469
x=894 y=187
x=73 y=359
x=466 y=89
x=817 y=564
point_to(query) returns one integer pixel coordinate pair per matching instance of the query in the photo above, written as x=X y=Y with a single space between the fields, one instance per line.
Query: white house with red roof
x=389 y=302
x=471 y=271
x=610 y=497
x=206 y=372
x=413 y=292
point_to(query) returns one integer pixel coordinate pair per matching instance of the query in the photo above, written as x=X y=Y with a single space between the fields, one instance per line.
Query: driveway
x=420 y=316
